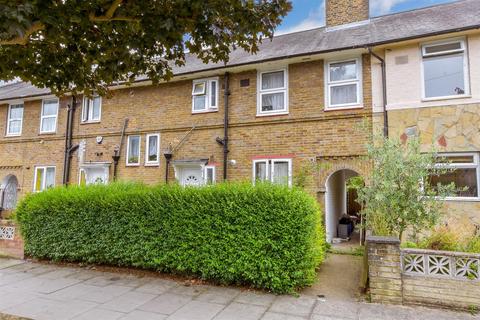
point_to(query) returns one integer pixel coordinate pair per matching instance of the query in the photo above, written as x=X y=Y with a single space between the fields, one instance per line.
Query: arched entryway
x=340 y=206
x=8 y=192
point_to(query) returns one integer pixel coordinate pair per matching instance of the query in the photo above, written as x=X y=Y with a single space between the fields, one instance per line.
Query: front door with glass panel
x=192 y=177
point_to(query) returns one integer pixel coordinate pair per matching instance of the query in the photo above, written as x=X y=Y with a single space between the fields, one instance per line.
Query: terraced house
x=304 y=98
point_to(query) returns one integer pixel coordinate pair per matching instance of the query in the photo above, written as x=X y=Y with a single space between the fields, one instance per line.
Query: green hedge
x=265 y=236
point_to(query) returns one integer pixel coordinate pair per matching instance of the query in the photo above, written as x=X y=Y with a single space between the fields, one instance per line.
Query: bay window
x=205 y=95
x=344 y=84
x=445 y=69
x=277 y=171
x=463 y=171
x=15 y=120
x=272 y=92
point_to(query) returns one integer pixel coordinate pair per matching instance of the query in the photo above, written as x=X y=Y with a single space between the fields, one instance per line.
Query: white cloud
x=315 y=19
x=379 y=7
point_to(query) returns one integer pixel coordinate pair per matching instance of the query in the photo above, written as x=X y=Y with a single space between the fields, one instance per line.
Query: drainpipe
x=118 y=151
x=226 y=93
x=69 y=149
x=384 y=91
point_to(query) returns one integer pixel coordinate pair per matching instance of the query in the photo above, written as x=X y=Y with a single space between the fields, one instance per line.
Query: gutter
x=384 y=91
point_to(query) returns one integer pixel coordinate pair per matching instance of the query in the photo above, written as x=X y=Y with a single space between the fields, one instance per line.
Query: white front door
x=192 y=177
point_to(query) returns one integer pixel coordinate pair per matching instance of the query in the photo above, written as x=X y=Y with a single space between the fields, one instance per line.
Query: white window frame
x=133 y=164
x=87 y=118
x=466 y=74
x=475 y=165
x=214 y=174
x=42 y=117
x=270 y=167
x=147 y=146
x=8 y=134
x=207 y=92
x=261 y=92
x=358 y=81
x=44 y=168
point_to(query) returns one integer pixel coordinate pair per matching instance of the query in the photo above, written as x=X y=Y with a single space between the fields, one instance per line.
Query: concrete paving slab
x=345 y=310
x=41 y=285
x=9 y=299
x=240 y=311
x=157 y=286
x=166 y=303
x=143 y=315
x=220 y=295
x=104 y=294
x=279 y=316
x=73 y=292
x=297 y=306
x=190 y=290
x=197 y=310
x=7 y=263
x=129 y=301
x=255 y=297
x=100 y=314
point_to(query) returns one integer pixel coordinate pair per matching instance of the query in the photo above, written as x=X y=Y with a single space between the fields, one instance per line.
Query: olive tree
x=86 y=45
x=397 y=195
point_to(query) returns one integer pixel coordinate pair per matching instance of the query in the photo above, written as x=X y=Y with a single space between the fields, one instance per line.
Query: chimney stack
x=339 y=12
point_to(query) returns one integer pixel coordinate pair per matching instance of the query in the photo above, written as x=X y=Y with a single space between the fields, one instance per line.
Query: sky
x=309 y=14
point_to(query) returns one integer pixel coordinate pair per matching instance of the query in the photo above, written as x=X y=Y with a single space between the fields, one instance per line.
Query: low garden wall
x=11 y=243
x=422 y=277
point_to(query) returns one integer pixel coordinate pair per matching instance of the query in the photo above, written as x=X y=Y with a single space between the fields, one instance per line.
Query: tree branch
x=23 y=40
x=108 y=16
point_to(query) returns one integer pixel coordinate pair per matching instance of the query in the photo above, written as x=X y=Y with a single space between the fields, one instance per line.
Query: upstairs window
x=272 y=92
x=92 y=109
x=152 y=152
x=464 y=173
x=344 y=86
x=445 y=72
x=15 y=120
x=273 y=170
x=48 y=122
x=44 y=178
x=133 y=151
x=205 y=95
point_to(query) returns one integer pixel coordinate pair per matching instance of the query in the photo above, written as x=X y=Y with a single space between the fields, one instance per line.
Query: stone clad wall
x=422 y=277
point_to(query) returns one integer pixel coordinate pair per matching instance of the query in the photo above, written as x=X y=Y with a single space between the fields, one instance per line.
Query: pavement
x=45 y=291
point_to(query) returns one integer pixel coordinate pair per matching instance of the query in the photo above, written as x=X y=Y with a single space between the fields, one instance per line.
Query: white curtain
x=280 y=172
x=273 y=101
x=152 y=148
x=261 y=171
x=199 y=102
x=343 y=94
x=48 y=124
x=96 y=108
x=50 y=108
x=272 y=80
x=50 y=178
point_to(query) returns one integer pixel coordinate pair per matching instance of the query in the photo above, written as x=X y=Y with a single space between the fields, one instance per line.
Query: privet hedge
x=265 y=236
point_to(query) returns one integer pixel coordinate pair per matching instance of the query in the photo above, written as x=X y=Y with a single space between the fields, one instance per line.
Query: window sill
x=89 y=122
x=205 y=111
x=48 y=133
x=350 y=107
x=132 y=165
x=463 y=96
x=152 y=164
x=462 y=199
x=283 y=113
x=13 y=135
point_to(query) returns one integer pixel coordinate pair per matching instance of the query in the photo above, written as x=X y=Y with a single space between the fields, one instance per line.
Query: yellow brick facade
x=307 y=132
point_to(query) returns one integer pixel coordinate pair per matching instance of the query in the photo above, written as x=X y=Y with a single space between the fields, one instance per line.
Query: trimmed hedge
x=265 y=236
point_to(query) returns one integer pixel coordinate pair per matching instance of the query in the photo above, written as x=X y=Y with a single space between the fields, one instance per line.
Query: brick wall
x=306 y=132
x=340 y=12
x=11 y=243
x=422 y=277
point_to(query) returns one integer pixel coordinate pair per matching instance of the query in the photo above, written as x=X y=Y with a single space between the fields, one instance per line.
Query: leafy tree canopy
x=86 y=45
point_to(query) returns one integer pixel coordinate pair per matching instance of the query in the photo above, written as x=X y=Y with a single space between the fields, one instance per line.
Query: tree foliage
x=78 y=45
x=397 y=195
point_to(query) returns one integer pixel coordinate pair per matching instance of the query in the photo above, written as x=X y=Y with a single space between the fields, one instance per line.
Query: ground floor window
x=133 y=151
x=94 y=174
x=273 y=170
x=44 y=178
x=463 y=171
x=209 y=175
